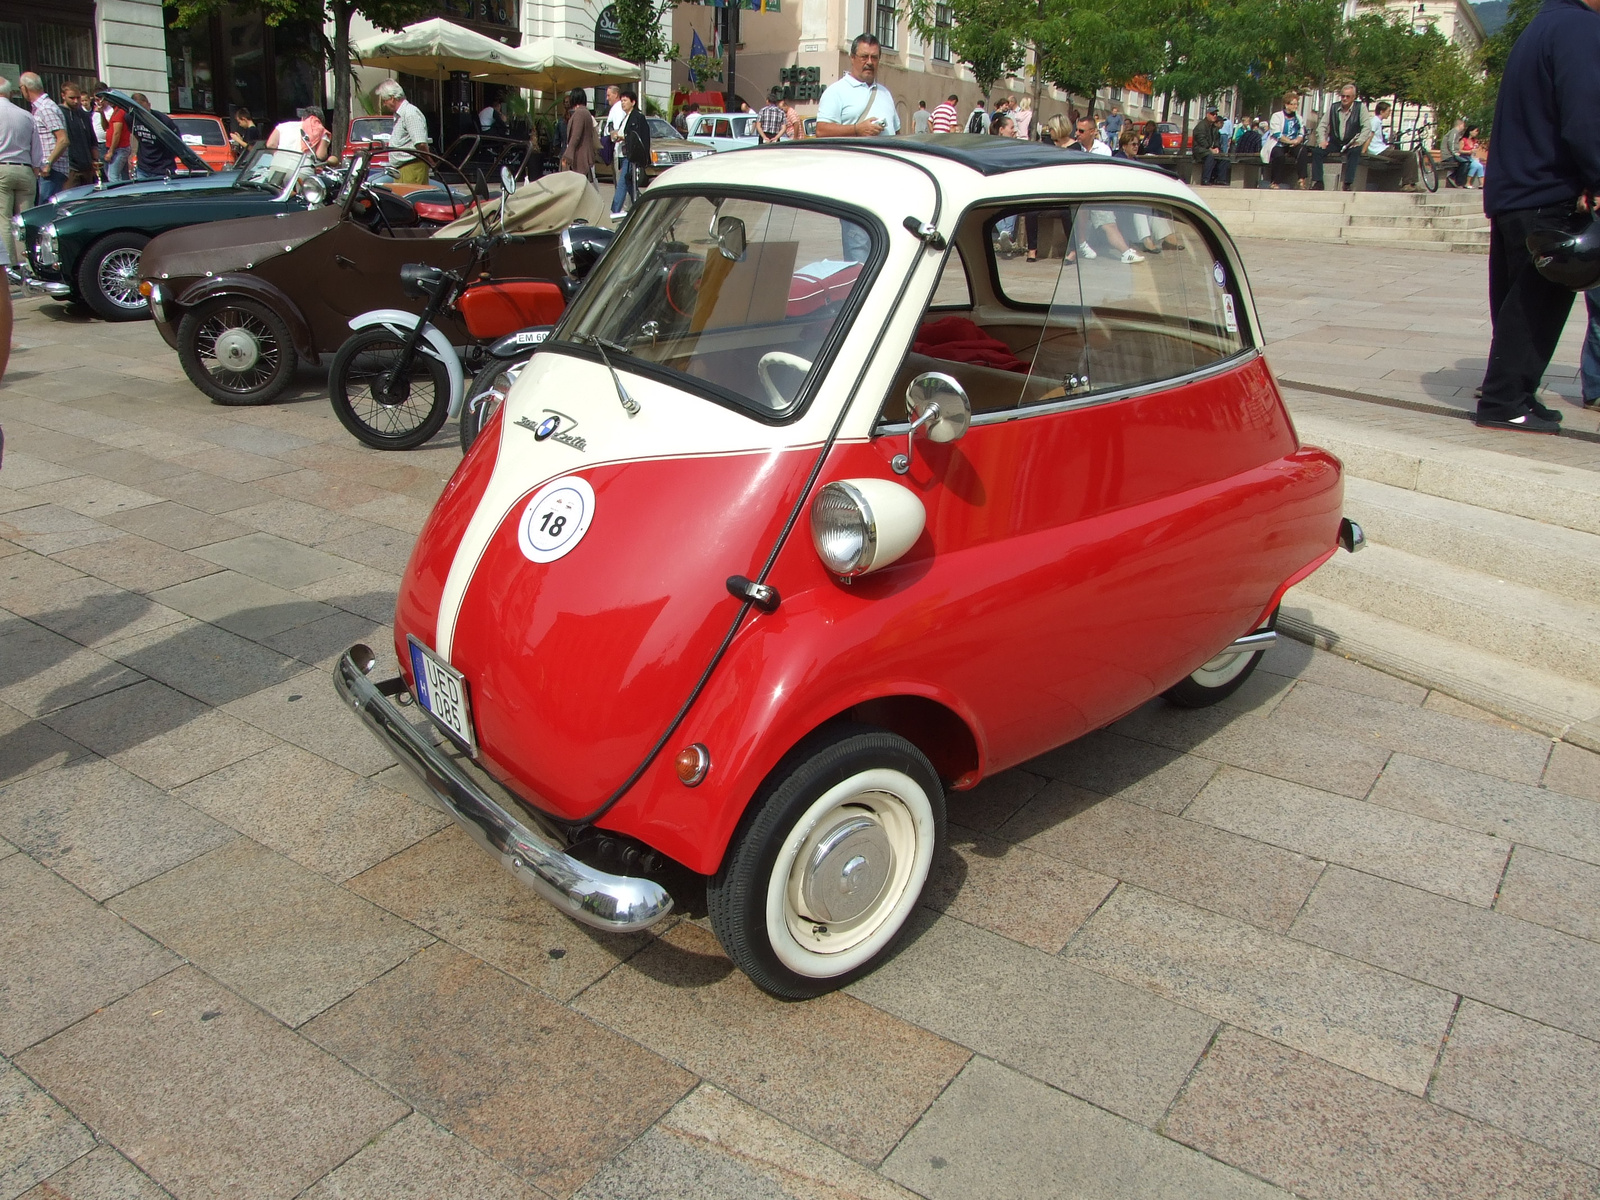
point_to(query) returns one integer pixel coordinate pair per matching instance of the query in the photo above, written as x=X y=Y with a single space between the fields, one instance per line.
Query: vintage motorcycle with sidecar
x=764 y=553
x=243 y=302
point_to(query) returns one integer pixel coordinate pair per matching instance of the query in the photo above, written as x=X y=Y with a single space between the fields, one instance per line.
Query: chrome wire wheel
x=848 y=873
x=118 y=278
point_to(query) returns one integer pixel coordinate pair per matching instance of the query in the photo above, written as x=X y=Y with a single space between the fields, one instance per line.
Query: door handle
x=342 y=261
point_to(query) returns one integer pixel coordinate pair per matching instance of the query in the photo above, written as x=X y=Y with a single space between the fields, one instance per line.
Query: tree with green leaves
x=382 y=14
x=985 y=34
x=639 y=31
x=1082 y=46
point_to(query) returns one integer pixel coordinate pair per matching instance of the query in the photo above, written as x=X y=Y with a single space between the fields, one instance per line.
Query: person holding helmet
x=1544 y=175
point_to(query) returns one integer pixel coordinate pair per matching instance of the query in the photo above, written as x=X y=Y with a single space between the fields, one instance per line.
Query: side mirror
x=508 y=182
x=730 y=236
x=937 y=405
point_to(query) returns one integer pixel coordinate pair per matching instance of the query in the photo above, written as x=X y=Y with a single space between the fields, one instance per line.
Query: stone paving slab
x=1219 y=954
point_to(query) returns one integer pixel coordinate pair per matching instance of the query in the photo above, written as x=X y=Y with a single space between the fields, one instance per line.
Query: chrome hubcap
x=846 y=871
x=237 y=350
x=119 y=278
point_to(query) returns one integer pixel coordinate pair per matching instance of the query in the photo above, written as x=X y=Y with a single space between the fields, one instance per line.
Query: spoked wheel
x=236 y=351
x=388 y=415
x=829 y=861
x=1220 y=678
x=485 y=395
x=108 y=277
x=1428 y=170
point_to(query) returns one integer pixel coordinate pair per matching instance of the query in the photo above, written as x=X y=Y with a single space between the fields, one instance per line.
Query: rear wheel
x=236 y=351
x=108 y=277
x=1220 y=678
x=829 y=862
x=484 y=398
x=387 y=416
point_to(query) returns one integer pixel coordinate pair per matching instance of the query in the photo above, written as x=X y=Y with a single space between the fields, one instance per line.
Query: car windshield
x=269 y=170
x=663 y=129
x=735 y=298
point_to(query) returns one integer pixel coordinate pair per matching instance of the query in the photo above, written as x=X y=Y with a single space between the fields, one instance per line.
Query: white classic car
x=725 y=131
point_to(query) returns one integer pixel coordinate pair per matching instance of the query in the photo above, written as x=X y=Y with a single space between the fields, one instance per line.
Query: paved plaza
x=1338 y=937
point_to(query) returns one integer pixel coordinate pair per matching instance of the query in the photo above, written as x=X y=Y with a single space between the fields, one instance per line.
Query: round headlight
x=49 y=249
x=859 y=525
x=564 y=252
x=312 y=191
x=842 y=529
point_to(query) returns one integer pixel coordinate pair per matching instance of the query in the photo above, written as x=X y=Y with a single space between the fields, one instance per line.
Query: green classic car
x=88 y=248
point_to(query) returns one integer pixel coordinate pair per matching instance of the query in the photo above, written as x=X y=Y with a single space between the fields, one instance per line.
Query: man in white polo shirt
x=858 y=105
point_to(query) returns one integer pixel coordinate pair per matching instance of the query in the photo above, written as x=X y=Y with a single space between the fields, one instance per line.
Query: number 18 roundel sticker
x=556 y=519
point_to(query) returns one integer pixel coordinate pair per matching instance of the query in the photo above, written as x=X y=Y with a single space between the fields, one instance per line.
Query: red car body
x=207 y=136
x=1074 y=552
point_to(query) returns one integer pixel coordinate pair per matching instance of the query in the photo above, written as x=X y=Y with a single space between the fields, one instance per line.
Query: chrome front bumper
x=53 y=288
x=616 y=903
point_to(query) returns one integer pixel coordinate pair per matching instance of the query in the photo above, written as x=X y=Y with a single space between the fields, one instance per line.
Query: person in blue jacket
x=1544 y=164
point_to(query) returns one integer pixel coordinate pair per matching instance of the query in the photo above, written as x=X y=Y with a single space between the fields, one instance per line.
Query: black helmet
x=1568 y=252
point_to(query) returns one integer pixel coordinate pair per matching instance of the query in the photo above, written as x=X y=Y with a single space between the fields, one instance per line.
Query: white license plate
x=442 y=692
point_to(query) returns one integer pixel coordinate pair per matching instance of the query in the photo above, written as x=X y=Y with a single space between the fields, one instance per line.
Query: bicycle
x=1427 y=161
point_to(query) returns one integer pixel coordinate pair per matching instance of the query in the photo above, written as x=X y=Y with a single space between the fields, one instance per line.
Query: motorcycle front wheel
x=484 y=396
x=399 y=415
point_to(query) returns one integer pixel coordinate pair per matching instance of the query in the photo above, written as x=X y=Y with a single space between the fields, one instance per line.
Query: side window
x=1172 y=313
x=952 y=290
x=1091 y=298
x=722 y=128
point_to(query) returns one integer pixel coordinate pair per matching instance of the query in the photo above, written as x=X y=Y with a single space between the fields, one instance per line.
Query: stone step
x=1527 y=625
x=1349 y=202
x=1389 y=236
x=1565 y=562
x=1550 y=492
x=1419 y=221
x=1544 y=700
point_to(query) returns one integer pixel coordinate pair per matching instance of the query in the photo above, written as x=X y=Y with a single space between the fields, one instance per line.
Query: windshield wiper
x=629 y=404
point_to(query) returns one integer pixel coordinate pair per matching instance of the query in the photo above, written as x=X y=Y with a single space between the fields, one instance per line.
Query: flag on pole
x=697 y=49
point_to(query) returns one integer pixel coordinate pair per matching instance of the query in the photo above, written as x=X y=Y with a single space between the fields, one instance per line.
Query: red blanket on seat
x=956 y=339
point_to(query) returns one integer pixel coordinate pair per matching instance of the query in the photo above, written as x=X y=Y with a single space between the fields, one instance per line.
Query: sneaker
x=1545 y=411
x=1087 y=250
x=1524 y=422
x=1130 y=255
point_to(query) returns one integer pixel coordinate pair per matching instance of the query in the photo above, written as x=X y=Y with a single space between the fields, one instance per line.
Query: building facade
x=119 y=41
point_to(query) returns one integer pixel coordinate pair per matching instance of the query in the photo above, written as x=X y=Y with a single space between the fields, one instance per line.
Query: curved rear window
x=737 y=298
x=209 y=132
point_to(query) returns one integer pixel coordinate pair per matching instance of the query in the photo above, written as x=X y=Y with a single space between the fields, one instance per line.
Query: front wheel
x=1219 y=678
x=829 y=861
x=398 y=413
x=1428 y=170
x=236 y=351
x=108 y=277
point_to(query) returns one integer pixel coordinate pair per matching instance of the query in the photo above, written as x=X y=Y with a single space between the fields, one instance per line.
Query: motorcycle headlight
x=859 y=525
x=49 y=249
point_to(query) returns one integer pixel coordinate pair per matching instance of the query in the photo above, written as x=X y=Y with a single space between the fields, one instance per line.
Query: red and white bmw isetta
x=816 y=504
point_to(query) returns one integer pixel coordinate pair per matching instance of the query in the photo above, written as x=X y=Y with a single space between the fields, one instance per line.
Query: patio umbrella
x=435 y=49
x=558 y=65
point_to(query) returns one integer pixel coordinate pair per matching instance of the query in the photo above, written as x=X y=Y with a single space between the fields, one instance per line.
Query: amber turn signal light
x=144 y=288
x=692 y=764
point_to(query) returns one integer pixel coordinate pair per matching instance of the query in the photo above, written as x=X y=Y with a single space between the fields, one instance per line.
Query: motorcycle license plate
x=442 y=692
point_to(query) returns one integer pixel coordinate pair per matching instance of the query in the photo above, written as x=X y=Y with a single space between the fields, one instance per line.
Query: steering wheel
x=777 y=358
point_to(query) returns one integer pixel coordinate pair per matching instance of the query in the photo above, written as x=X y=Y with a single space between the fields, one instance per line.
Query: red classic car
x=812 y=508
x=207 y=136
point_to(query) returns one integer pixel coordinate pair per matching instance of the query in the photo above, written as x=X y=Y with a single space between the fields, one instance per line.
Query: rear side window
x=200 y=133
x=1134 y=290
x=1117 y=295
